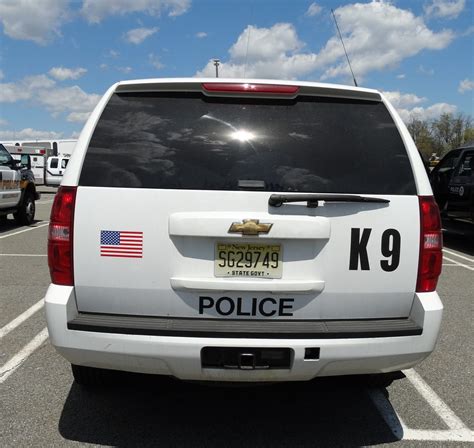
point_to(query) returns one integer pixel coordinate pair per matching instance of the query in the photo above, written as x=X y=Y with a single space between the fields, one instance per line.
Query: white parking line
x=7 y=369
x=40 y=224
x=44 y=202
x=457 y=432
x=471 y=268
x=23 y=255
x=21 y=318
x=438 y=405
x=450 y=252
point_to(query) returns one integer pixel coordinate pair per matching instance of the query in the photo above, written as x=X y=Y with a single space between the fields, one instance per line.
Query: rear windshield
x=189 y=141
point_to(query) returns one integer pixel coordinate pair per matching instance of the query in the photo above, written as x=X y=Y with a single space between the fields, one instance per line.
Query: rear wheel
x=26 y=213
x=90 y=376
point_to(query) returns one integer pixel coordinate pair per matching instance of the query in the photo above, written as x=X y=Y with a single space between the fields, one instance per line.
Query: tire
x=3 y=219
x=90 y=377
x=26 y=213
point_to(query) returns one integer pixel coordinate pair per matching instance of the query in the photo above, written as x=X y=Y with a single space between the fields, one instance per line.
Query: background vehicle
x=453 y=183
x=17 y=188
x=279 y=242
x=38 y=158
x=55 y=169
x=62 y=147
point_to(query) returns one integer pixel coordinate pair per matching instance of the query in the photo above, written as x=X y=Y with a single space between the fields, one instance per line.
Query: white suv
x=231 y=230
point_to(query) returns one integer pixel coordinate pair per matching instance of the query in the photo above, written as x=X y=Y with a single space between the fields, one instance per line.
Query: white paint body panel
x=143 y=286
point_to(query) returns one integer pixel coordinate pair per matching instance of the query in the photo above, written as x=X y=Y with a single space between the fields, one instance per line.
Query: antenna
x=343 y=46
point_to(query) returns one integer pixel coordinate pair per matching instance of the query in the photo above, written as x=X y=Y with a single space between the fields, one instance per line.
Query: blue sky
x=58 y=57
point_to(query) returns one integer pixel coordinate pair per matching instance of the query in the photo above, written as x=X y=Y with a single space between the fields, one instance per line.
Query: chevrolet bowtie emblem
x=250 y=227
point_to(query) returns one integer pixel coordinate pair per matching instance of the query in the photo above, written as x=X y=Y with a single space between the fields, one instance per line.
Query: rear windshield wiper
x=311 y=199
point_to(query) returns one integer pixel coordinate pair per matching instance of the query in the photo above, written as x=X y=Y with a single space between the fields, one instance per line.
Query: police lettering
x=267 y=307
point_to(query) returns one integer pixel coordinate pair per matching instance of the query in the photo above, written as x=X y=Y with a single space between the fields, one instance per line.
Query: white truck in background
x=49 y=158
x=62 y=147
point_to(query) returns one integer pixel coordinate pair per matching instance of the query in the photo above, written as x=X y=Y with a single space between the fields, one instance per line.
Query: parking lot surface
x=431 y=405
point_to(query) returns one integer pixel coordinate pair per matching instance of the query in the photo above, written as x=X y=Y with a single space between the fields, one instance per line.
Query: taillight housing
x=231 y=87
x=431 y=245
x=60 y=243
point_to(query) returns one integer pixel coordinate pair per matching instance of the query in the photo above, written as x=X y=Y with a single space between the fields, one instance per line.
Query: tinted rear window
x=189 y=141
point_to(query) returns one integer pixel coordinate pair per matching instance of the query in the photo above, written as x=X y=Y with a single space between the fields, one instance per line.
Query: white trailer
x=38 y=156
x=61 y=147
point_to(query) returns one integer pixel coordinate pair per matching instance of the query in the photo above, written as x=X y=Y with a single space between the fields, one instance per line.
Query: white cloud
x=465 y=85
x=401 y=76
x=313 y=10
x=201 y=35
x=63 y=73
x=154 y=60
x=265 y=52
x=43 y=91
x=138 y=35
x=402 y=100
x=425 y=71
x=11 y=92
x=38 y=21
x=113 y=54
x=3 y=122
x=448 y=9
x=1 y=75
x=29 y=134
x=428 y=113
x=263 y=44
x=125 y=70
x=67 y=99
x=407 y=105
x=378 y=36
x=103 y=66
x=96 y=10
x=78 y=117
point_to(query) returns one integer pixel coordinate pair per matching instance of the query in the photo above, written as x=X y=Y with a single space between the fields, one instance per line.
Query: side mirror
x=25 y=161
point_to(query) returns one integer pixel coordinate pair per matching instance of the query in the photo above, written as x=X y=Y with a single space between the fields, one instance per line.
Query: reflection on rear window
x=188 y=141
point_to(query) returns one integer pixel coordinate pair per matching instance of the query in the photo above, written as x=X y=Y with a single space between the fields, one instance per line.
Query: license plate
x=248 y=260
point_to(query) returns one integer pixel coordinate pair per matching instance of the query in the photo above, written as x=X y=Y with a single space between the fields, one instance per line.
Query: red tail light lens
x=60 y=235
x=250 y=88
x=431 y=245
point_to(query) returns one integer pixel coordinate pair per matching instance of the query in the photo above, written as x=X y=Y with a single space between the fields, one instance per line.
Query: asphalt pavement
x=431 y=405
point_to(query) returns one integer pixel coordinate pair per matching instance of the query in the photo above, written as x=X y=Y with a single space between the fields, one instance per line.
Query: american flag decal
x=122 y=244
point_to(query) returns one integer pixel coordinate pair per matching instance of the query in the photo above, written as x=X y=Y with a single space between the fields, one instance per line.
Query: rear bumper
x=181 y=356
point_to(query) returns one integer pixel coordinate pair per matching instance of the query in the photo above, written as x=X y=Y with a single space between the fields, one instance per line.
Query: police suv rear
x=231 y=230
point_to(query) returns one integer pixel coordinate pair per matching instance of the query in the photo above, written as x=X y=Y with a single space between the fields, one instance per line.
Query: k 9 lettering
x=266 y=307
x=390 y=248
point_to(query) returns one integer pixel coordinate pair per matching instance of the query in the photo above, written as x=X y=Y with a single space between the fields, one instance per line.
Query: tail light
x=431 y=245
x=60 y=236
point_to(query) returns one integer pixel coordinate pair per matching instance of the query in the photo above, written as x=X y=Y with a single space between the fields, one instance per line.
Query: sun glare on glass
x=243 y=136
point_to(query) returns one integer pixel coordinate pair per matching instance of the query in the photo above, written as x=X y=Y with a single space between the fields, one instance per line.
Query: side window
x=447 y=164
x=5 y=156
x=466 y=167
x=54 y=163
x=64 y=163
